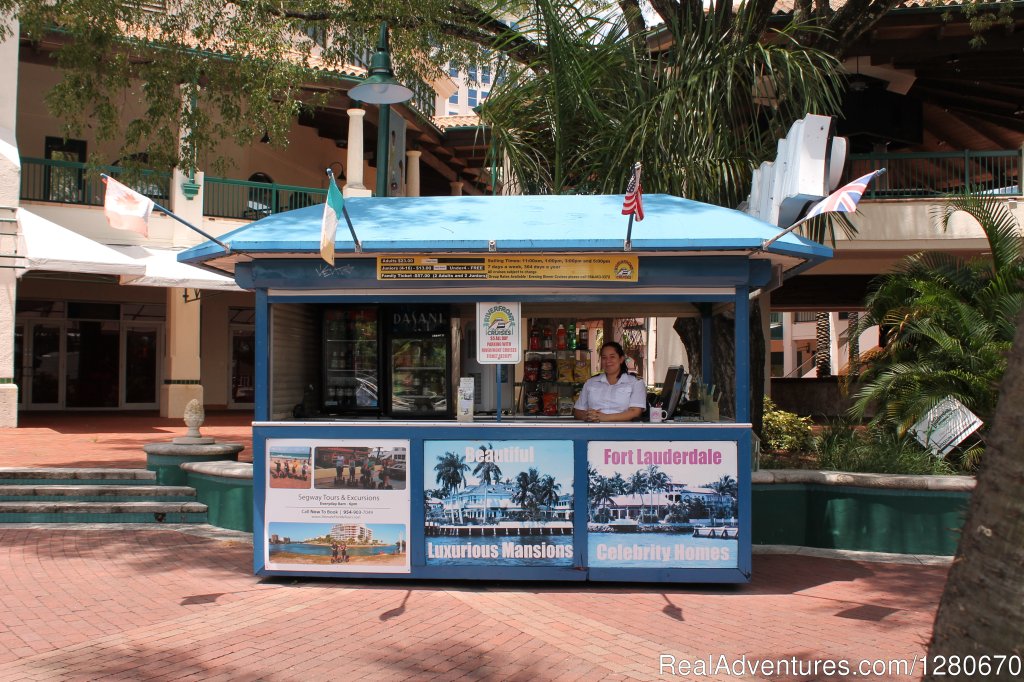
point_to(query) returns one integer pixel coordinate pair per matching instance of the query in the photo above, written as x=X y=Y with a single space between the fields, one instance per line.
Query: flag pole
x=628 y=245
x=812 y=214
x=348 y=220
x=768 y=242
x=170 y=214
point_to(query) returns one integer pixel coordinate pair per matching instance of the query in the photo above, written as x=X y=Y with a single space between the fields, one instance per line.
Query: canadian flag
x=126 y=209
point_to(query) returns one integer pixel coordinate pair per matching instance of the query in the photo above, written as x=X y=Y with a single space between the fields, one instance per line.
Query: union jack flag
x=634 y=202
x=844 y=199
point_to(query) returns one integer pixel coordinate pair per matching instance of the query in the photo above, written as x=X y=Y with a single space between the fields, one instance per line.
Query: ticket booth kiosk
x=364 y=464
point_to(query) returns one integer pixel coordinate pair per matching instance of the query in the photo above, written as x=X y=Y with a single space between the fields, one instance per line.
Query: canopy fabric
x=162 y=269
x=48 y=246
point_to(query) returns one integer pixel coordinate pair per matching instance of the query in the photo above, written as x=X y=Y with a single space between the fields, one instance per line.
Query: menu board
x=337 y=506
x=588 y=268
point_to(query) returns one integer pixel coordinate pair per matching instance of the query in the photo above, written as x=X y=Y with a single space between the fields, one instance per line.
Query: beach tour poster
x=501 y=503
x=662 y=504
x=337 y=505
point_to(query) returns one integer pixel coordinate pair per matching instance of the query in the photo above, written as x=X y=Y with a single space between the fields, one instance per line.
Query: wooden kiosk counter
x=374 y=457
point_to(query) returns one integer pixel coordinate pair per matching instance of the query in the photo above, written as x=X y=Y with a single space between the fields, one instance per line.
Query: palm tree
x=700 y=115
x=547 y=491
x=726 y=486
x=657 y=481
x=980 y=607
x=451 y=472
x=525 y=492
x=638 y=485
x=487 y=472
x=601 y=491
x=949 y=324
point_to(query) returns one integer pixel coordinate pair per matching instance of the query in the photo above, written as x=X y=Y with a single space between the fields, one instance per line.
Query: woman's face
x=611 y=361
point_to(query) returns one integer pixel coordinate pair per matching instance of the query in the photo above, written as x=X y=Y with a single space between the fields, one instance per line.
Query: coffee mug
x=658 y=415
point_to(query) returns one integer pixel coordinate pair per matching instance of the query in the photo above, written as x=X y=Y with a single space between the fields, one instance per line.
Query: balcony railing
x=71 y=182
x=939 y=174
x=226 y=198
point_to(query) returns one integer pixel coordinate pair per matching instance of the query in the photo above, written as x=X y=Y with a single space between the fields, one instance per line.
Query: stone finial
x=194 y=418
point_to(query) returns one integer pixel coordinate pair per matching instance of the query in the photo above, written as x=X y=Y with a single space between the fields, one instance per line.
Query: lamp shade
x=380 y=86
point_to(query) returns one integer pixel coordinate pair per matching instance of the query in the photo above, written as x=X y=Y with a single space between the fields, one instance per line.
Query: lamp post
x=381 y=88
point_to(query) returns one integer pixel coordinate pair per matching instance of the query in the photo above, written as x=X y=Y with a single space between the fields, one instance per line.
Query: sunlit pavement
x=180 y=602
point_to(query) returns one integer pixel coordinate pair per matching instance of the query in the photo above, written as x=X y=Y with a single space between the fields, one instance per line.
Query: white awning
x=48 y=246
x=164 y=270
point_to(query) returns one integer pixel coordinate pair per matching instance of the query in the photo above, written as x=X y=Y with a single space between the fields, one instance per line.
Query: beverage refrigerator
x=351 y=360
x=419 y=367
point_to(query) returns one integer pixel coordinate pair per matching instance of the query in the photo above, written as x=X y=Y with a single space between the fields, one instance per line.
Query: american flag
x=634 y=202
x=844 y=199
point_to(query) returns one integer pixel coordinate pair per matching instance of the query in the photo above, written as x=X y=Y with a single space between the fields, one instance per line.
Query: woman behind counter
x=614 y=395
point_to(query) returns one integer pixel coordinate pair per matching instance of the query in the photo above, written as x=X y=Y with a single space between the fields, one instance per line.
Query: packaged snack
x=565 y=404
x=551 y=403
x=582 y=369
x=532 y=370
x=566 y=369
x=547 y=370
x=533 y=403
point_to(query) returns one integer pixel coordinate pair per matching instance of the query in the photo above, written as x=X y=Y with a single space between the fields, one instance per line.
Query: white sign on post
x=498 y=338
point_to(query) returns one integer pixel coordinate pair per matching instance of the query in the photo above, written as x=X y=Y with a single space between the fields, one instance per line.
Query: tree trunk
x=853 y=343
x=980 y=611
x=724 y=361
x=823 y=350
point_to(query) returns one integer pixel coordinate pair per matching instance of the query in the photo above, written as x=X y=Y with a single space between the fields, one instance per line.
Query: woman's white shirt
x=598 y=394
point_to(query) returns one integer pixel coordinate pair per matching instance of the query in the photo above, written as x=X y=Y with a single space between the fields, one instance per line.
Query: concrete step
x=75 y=475
x=96 y=493
x=102 y=512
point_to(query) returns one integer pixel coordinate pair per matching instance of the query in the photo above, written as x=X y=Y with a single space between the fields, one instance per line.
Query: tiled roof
x=470 y=121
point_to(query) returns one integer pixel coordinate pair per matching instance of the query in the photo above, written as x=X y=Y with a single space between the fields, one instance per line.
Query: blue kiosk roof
x=515 y=224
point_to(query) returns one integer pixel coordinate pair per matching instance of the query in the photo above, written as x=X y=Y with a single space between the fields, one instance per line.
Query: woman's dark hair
x=614 y=345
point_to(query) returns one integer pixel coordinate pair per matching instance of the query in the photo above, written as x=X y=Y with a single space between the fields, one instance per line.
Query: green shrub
x=843 y=447
x=783 y=430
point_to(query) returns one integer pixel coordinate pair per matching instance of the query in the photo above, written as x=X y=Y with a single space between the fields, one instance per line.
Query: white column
x=10 y=183
x=788 y=349
x=412 y=173
x=187 y=209
x=457 y=188
x=833 y=342
x=354 y=186
x=181 y=364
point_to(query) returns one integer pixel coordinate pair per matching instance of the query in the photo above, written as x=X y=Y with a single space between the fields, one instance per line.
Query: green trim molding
x=865 y=512
x=6 y=381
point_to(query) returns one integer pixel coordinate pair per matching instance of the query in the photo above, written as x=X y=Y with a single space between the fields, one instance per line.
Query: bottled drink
x=549 y=343
x=582 y=339
x=572 y=336
x=560 y=338
x=534 y=337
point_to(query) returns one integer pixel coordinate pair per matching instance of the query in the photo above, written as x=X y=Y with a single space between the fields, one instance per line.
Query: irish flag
x=329 y=225
x=126 y=209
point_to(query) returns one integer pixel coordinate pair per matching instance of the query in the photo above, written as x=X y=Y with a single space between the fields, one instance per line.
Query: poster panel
x=337 y=506
x=663 y=504
x=564 y=267
x=499 y=339
x=498 y=503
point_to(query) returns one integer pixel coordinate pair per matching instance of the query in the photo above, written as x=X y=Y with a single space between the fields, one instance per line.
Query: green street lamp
x=381 y=88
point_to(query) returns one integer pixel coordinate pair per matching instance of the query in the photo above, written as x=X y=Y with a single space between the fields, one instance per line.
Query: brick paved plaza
x=174 y=603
